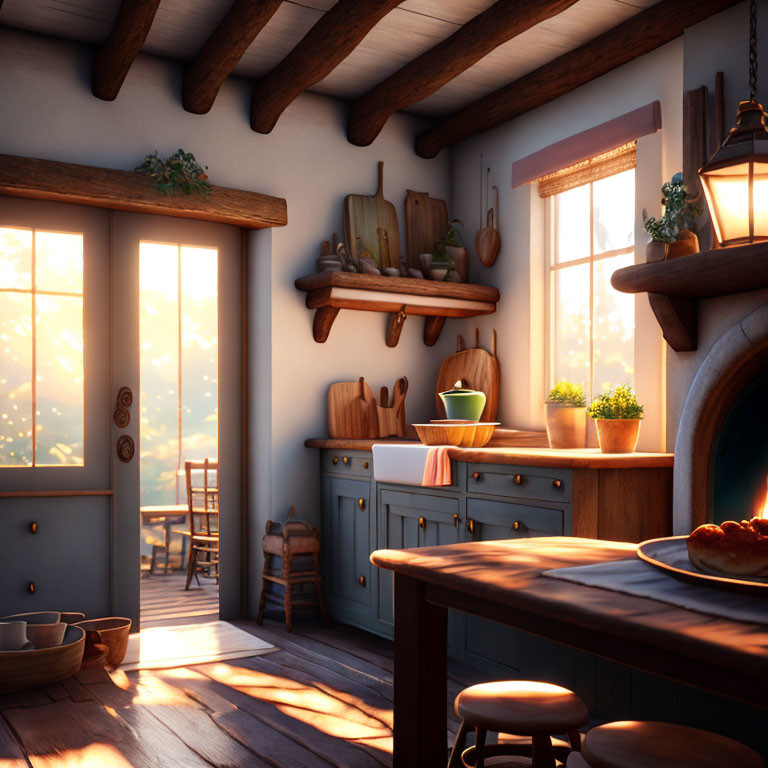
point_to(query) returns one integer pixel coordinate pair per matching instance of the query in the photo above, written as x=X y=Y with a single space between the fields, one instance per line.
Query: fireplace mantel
x=674 y=286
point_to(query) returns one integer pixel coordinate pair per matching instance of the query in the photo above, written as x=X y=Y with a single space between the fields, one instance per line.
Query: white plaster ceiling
x=182 y=26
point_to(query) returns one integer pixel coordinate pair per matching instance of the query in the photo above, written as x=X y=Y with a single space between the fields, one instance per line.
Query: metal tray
x=671 y=555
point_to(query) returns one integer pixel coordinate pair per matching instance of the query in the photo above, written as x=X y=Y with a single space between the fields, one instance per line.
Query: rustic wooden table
x=502 y=581
x=166 y=515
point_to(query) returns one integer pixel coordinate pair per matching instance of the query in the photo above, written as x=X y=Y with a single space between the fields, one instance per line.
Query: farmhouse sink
x=399 y=463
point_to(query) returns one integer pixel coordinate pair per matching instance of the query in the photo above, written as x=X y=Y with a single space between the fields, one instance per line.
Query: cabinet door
x=484 y=643
x=346 y=535
x=409 y=519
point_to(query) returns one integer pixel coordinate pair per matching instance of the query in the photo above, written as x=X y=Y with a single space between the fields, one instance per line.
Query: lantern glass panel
x=727 y=191
x=760 y=193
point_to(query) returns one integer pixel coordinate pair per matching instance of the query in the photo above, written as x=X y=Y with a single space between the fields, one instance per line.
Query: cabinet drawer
x=488 y=520
x=540 y=483
x=347 y=463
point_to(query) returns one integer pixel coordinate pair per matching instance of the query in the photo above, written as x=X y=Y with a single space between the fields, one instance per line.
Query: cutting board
x=368 y=221
x=477 y=369
x=426 y=220
x=349 y=414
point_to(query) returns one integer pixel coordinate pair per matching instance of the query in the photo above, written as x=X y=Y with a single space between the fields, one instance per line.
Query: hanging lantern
x=735 y=179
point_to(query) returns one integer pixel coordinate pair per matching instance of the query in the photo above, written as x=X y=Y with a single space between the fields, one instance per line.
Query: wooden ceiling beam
x=639 y=35
x=204 y=75
x=113 y=59
x=421 y=77
x=338 y=32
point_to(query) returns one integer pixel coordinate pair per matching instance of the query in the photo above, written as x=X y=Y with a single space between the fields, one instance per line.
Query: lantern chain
x=752 y=50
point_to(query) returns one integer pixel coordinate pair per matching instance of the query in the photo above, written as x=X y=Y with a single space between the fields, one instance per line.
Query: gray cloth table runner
x=636 y=577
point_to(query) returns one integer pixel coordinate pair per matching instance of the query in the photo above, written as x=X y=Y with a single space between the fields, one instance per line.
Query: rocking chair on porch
x=203 y=500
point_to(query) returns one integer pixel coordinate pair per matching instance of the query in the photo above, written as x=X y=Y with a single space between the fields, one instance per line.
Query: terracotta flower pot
x=655 y=251
x=566 y=426
x=686 y=244
x=618 y=435
x=114 y=634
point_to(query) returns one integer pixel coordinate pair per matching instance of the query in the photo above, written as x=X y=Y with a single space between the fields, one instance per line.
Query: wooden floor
x=324 y=699
x=164 y=601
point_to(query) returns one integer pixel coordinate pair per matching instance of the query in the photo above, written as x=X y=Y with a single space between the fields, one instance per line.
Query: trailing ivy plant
x=680 y=211
x=450 y=237
x=567 y=393
x=179 y=173
x=619 y=404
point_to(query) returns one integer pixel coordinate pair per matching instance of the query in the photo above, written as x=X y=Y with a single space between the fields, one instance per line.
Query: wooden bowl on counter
x=20 y=670
x=464 y=434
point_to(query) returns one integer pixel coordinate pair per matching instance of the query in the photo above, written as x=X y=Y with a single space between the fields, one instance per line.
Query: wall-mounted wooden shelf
x=329 y=292
x=673 y=287
x=131 y=191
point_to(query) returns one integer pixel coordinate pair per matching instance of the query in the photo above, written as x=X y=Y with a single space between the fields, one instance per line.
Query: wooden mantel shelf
x=329 y=292
x=673 y=287
x=130 y=191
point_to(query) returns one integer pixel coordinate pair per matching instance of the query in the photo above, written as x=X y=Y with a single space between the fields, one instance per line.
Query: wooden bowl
x=44 y=628
x=466 y=434
x=114 y=633
x=20 y=670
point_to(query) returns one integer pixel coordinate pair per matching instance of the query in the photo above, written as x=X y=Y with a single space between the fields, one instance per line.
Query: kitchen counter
x=518 y=447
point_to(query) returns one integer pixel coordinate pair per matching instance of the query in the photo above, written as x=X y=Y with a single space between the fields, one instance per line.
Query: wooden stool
x=292 y=539
x=520 y=707
x=633 y=744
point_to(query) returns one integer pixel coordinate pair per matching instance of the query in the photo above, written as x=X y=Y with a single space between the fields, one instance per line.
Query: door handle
x=517 y=479
x=361 y=504
x=471 y=525
x=476 y=476
x=345 y=460
x=422 y=523
x=455 y=520
x=557 y=483
x=361 y=581
x=516 y=525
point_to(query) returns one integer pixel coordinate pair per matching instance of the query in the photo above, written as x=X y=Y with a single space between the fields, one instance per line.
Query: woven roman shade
x=595 y=168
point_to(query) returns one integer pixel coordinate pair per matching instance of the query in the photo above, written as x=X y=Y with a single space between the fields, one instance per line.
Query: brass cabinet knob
x=455 y=519
x=516 y=525
x=33 y=527
x=361 y=581
x=517 y=479
x=361 y=504
x=365 y=465
x=557 y=483
x=335 y=459
x=422 y=523
x=470 y=525
x=345 y=459
x=31 y=587
x=476 y=476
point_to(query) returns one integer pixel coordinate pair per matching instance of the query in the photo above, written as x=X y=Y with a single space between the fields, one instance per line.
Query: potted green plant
x=670 y=233
x=566 y=415
x=178 y=174
x=617 y=416
x=450 y=251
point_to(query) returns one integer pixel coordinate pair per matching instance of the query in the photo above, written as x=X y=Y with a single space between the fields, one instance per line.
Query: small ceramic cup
x=44 y=629
x=13 y=635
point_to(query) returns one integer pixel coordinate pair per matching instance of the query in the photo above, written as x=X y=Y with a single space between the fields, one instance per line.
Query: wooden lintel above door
x=129 y=191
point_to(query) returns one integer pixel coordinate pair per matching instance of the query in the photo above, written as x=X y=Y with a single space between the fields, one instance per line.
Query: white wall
x=48 y=111
x=519 y=272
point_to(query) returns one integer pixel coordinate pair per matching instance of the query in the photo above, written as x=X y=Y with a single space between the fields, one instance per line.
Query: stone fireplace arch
x=739 y=355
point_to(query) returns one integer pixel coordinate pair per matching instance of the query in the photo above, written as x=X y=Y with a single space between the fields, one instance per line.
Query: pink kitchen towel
x=437 y=468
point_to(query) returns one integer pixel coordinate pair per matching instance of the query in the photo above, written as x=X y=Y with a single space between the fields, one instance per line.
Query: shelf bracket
x=432 y=328
x=679 y=320
x=324 y=317
x=395 y=327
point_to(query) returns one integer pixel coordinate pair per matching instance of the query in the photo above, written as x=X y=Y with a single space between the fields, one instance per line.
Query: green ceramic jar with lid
x=462 y=403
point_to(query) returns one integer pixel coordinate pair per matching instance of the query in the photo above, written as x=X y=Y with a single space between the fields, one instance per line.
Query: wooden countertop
x=518 y=447
x=502 y=580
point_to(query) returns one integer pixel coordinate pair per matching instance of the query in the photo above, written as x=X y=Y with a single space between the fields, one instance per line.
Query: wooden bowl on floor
x=20 y=670
x=114 y=633
x=466 y=434
x=44 y=628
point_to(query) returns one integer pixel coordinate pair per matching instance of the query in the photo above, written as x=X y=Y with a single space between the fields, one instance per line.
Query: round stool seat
x=521 y=707
x=632 y=744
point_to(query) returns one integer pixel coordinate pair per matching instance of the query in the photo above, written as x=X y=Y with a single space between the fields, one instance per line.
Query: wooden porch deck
x=324 y=699
x=164 y=601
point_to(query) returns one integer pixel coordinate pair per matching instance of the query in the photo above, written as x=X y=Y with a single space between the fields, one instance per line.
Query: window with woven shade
x=591 y=209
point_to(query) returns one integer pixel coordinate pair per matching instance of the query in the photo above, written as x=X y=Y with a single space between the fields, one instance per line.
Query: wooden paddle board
x=476 y=369
x=426 y=220
x=352 y=410
x=368 y=221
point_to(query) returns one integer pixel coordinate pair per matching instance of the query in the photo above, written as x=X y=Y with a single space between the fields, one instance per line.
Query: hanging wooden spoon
x=488 y=239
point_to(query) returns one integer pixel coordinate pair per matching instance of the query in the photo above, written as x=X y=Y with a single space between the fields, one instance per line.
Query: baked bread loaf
x=731 y=549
